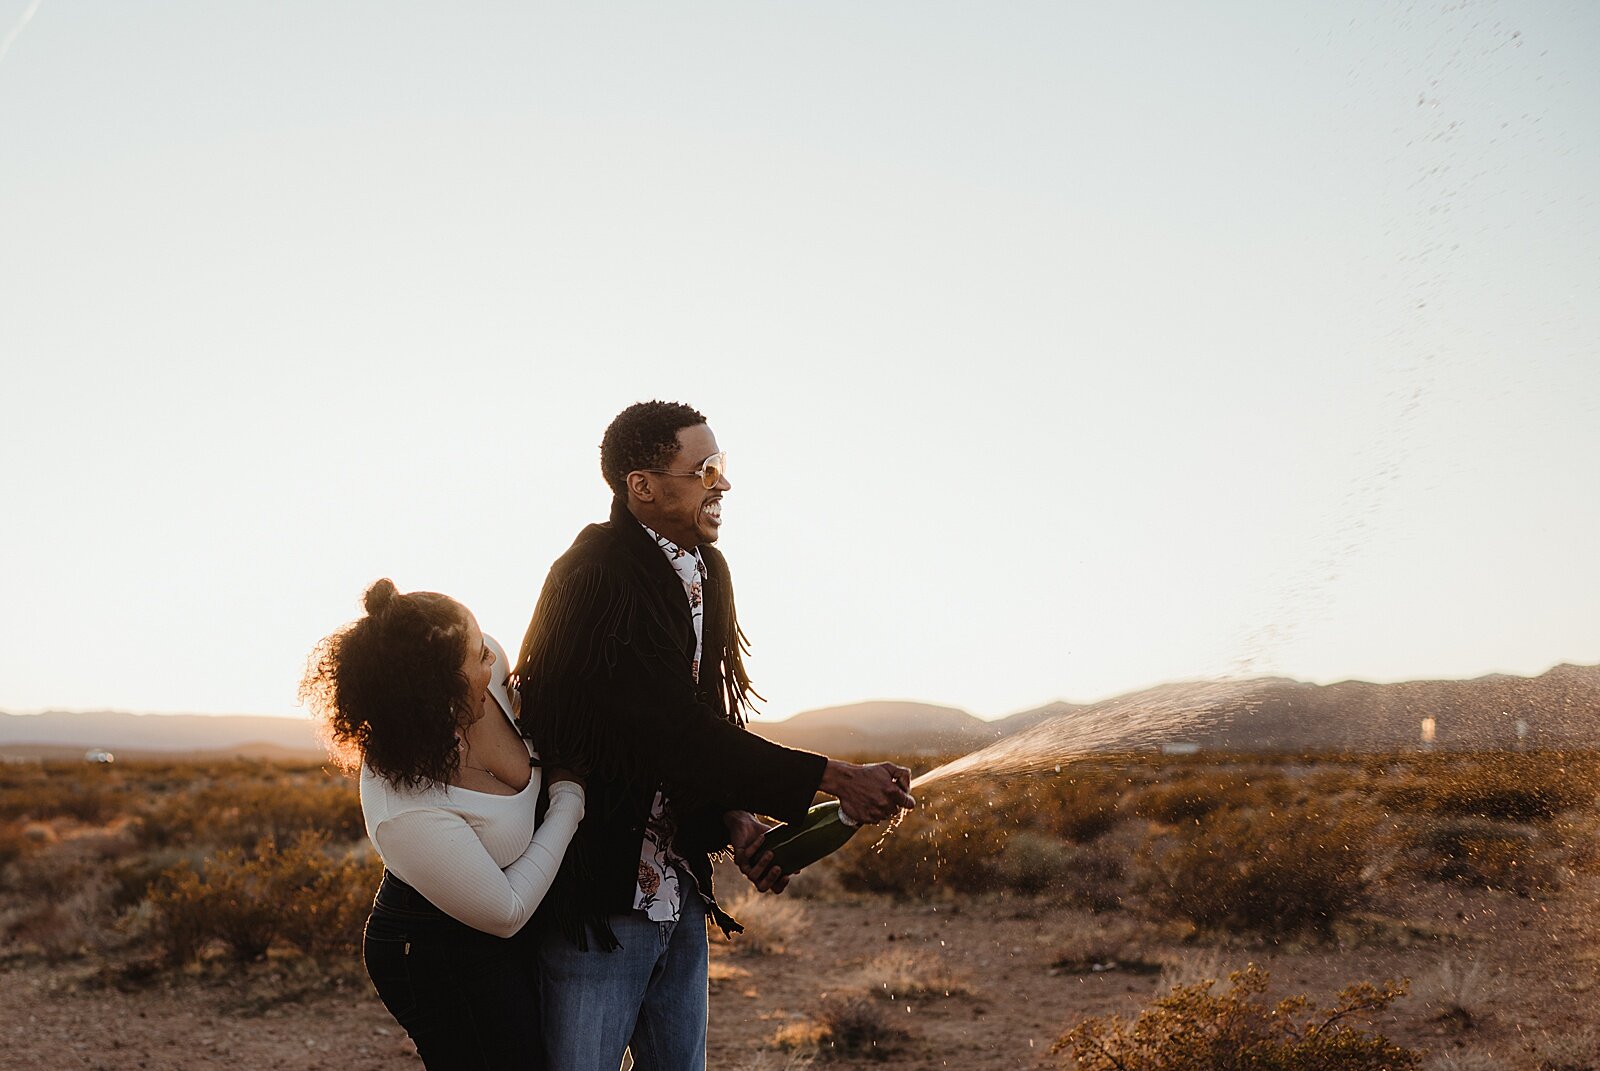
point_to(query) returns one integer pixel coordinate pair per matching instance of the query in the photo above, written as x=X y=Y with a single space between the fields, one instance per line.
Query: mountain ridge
x=1560 y=707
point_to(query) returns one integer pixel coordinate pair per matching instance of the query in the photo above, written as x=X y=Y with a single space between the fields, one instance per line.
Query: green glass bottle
x=797 y=845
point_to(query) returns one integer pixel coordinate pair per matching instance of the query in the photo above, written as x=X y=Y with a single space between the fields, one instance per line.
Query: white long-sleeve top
x=475 y=855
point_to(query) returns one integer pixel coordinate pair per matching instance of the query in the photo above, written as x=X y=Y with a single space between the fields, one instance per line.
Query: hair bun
x=380 y=595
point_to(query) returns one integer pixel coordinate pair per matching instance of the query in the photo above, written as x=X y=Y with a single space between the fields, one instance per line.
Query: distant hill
x=887 y=726
x=122 y=732
x=1556 y=709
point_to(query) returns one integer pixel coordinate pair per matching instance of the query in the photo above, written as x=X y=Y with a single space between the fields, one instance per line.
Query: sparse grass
x=1459 y=993
x=906 y=973
x=845 y=1027
x=1193 y=1029
x=1577 y=1050
x=771 y=923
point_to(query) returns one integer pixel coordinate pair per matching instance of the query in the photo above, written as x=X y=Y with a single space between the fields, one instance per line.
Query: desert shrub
x=1032 y=862
x=1483 y=853
x=849 y=1027
x=1459 y=993
x=1193 y=1029
x=908 y=973
x=15 y=841
x=1080 y=806
x=1531 y=787
x=1090 y=946
x=1512 y=790
x=241 y=814
x=952 y=846
x=771 y=923
x=1095 y=877
x=89 y=794
x=1197 y=794
x=1269 y=872
x=301 y=894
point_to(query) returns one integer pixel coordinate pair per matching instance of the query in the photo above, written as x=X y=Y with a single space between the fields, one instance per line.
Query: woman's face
x=478 y=663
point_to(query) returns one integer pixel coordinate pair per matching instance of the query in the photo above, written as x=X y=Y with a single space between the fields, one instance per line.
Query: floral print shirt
x=657 y=894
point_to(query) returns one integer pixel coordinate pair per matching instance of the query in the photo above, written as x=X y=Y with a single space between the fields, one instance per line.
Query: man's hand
x=745 y=831
x=868 y=793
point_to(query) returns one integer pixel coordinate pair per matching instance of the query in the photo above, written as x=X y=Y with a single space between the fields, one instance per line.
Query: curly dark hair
x=643 y=436
x=388 y=688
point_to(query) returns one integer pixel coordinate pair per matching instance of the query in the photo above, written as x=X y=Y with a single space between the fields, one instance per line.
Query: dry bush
x=1096 y=877
x=1576 y=1050
x=1516 y=787
x=767 y=1061
x=240 y=814
x=17 y=839
x=912 y=973
x=302 y=895
x=65 y=901
x=1510 y=786
x=1198 y=793
x=1268 y=872
x=1459 y=993
x=1193 y=1029
x=88 y=793
x=1033 y=862
x=1481 y=852
x=1466 y=1060
x=845 y=1027
x=1192 y=967
x=1080 y=806
x=949 y=845
x=1090 y=946
x=771 y=923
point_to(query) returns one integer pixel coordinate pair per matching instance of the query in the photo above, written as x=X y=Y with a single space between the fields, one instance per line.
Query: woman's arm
x=437 y=853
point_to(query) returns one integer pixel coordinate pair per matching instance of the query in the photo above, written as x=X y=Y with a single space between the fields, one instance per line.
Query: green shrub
x=1193 y=1029
x=1272 y=872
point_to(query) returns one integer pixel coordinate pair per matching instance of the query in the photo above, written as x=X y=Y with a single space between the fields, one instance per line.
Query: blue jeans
x=648 y=995
x=467 y=998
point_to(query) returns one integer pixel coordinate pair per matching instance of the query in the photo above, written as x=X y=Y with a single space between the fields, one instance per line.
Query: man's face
x=685 y=510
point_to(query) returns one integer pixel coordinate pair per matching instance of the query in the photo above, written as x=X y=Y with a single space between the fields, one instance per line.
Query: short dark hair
x=643 y=436
x=388 y=690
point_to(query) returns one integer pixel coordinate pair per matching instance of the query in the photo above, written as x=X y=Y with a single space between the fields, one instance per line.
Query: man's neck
x=652 y=524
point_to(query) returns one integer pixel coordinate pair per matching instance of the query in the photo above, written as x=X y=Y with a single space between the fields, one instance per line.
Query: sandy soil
x=1541 y=985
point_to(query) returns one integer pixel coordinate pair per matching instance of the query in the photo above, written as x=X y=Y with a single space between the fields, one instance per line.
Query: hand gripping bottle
x=821 y=832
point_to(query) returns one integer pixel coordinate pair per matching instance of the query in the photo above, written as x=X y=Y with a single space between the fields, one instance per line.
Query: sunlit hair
x=643 y=436
x=388 y=688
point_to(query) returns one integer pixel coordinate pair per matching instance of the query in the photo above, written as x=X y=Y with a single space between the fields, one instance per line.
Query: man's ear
x=639 y=487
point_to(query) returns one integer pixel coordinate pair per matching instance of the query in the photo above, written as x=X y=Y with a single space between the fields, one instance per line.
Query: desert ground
x=168 y=916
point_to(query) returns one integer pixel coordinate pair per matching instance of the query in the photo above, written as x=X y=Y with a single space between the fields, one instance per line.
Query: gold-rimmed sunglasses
x=710 y=472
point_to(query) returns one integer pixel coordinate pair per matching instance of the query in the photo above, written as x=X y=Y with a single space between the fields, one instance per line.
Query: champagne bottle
x=799 y=844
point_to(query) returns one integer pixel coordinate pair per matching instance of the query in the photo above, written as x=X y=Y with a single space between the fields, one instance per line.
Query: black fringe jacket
x=607 y=690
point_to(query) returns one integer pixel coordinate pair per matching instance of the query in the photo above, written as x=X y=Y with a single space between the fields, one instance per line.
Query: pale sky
x=1060 y=349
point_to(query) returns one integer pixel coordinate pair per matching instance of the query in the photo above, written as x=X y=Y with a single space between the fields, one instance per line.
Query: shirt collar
x=686 y=563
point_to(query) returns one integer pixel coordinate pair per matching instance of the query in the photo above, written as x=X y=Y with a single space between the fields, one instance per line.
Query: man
x=632 y=673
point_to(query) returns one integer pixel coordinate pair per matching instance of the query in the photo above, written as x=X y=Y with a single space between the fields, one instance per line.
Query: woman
x=414 y=694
